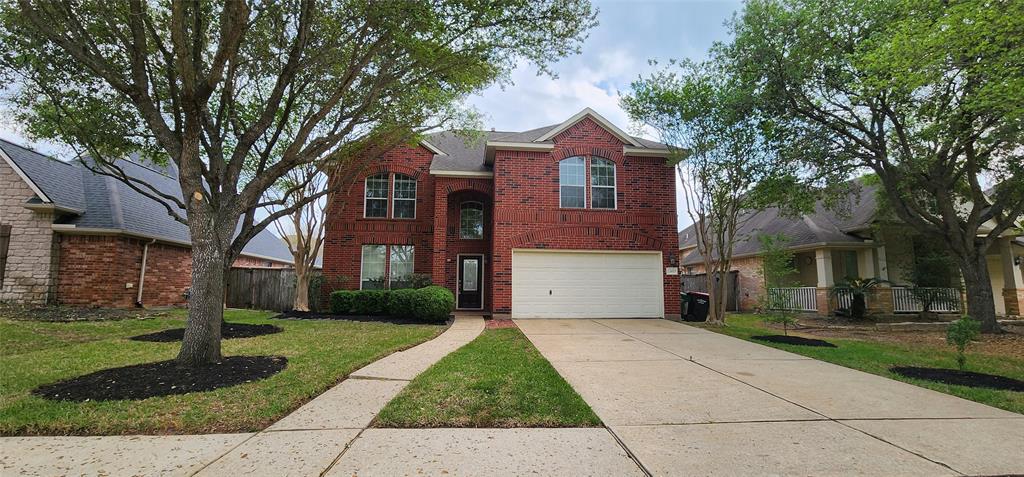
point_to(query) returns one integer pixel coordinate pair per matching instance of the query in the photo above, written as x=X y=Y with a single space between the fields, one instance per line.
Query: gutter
x=142 y=272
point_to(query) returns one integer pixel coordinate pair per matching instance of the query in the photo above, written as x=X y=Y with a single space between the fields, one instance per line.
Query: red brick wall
x=347 y=231
x=94 y=270
x=527 y=212
x=751 y=280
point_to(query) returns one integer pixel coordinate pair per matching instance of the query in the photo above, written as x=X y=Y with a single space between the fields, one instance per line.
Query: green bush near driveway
x=497 y=380
x=428 y=304
x=320 y=354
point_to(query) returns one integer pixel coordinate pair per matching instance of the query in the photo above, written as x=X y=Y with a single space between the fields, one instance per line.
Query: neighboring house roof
x=823 y=226
x=102 y=203
x=460 y=154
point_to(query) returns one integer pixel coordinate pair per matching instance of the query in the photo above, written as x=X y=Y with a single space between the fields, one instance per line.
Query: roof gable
x=597 y=118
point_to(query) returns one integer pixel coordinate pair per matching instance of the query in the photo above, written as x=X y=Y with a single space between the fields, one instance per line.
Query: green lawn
x=320 y=354
x=877 y=358
x=497 y=380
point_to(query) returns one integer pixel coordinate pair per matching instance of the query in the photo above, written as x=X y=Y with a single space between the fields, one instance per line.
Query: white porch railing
x=944 y=300
x=794 y=298
x=844 y=298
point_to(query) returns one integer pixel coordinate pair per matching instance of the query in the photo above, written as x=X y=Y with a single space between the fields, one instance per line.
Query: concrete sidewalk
x=685 y=401
x=306 y=442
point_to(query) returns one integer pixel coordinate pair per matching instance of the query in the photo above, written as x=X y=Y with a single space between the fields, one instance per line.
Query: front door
x=471 y=272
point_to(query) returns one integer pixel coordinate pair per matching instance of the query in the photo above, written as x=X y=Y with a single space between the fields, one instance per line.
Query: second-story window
x=471 y=220
x=572 y=182
x=405 y=197
x=376 y=198
x=602 y=183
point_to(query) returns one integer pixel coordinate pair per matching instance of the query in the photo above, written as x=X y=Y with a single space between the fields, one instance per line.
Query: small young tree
x=777 y=269
x=960 y=334
x=722 y=158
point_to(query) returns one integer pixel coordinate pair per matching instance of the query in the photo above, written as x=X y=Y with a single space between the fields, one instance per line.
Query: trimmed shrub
x=433 y=303
x=402 y=302
x=370 y=302
x=342 y=301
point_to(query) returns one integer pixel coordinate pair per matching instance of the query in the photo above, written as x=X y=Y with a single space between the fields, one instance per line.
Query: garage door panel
x=586 y=285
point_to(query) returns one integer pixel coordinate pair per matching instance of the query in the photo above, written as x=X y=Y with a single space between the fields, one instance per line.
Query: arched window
x=602 y=183
x=572 y=182
x=471 y=220
x=405 y=197
x=375 y=198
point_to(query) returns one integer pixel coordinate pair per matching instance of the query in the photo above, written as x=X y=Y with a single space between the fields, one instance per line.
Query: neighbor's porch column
x=880 y=266
x=823 y=263
x=1013 y=282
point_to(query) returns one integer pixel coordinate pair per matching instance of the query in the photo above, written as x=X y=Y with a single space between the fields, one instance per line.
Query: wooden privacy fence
x=699 y=283
x=265 y=289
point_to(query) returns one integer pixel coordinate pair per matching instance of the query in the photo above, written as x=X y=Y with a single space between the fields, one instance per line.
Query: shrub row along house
x=830 y=247
x=576 y=219
x=70 y=236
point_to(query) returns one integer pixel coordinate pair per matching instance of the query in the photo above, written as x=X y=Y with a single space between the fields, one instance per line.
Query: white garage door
x=549 y=284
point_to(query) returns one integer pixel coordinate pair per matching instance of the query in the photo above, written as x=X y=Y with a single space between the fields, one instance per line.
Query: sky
x=616 y=53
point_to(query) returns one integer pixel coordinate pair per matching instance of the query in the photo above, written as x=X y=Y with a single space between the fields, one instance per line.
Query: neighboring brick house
x=73 y=237
x=830 y=247
x=577 y=219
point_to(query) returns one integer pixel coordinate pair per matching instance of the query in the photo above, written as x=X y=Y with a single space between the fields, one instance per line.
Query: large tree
x=237 y=93
x=726 y=166
x=927 y=94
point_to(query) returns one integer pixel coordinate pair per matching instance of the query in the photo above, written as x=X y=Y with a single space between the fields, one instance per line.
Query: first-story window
x=402 y=264
x=387 y=266
x=372 y=271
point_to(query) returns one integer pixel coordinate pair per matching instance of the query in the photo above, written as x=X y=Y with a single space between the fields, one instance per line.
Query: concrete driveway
x=684 y=401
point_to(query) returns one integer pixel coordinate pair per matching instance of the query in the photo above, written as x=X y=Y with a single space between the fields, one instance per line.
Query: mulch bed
x=499 y=324
x=397 y=320
x=794 y=340
x=73 y=314
x=227 y=331
x=163 y=378
x=962 y=378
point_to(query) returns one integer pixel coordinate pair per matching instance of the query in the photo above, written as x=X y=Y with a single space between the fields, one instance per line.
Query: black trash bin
x=684 y=302
x=697 y=307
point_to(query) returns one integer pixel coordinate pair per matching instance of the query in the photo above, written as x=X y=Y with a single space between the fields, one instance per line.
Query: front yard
x=497 y=380
x=320 y=354
x=876 y=351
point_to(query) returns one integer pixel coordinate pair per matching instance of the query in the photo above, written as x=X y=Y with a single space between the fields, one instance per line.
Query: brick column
x=823 y=301
x=440 y=243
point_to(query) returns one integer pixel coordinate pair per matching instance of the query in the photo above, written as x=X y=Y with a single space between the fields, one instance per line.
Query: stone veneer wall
x=28 y=278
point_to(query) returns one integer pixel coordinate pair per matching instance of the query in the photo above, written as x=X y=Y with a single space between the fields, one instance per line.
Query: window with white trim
x=404 y=205
x=572 y=180
x=402 y=265
x=471 y=220
x=602 y=183
x=371 y=275
x=375 y=200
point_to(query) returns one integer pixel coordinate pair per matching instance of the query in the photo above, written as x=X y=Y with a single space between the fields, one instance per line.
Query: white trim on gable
x=24 y=177
x=600 y=120
x=645 y=152
x=432 y=148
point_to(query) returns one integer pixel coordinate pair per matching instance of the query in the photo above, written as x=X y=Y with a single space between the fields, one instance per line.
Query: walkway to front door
x=685 y=401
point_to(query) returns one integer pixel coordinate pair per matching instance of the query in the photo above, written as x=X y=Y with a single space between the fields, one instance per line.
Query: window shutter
x=5 y=240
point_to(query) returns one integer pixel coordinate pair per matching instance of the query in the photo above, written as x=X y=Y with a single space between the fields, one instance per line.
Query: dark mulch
x=71 y=313
x=163 y=378
x=227 y=331
x=794 y=340
x=312 y=315
x=962 y=378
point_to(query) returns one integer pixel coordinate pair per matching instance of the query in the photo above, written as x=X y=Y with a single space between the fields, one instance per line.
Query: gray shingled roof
x=462 y=156
x=821 y=226
x=102 y=202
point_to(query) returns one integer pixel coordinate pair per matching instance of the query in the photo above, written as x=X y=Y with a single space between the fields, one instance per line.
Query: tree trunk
x=301 y=289
x=980 y=304
x=201 y=344
x=716 y=299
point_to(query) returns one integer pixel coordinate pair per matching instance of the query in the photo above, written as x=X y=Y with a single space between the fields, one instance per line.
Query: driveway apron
x=686 y=401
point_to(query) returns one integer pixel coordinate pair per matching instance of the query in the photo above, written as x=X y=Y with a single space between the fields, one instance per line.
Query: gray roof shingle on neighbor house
x=819 y=227
x=104 y=203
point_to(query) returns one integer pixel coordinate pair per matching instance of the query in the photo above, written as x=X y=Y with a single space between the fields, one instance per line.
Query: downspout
x=142 y=272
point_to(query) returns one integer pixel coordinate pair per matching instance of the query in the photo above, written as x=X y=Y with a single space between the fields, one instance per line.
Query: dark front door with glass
x=471 y=271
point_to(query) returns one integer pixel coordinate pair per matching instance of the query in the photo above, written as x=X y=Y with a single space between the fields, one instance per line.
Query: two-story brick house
x=577 y=219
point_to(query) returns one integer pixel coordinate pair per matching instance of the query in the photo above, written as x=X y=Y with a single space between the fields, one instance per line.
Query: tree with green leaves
x=717 y=141
x=777 y=269
x=238 y=93
x=928 y=95
x=960 y=334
